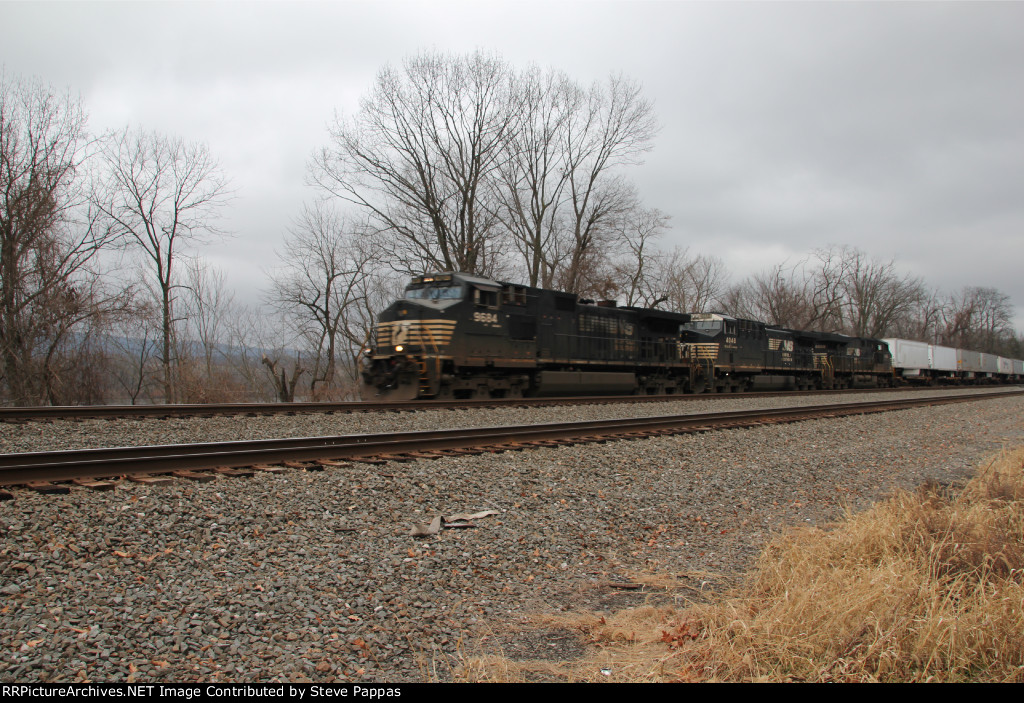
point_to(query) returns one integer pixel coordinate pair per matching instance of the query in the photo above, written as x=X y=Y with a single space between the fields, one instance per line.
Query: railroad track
x=191 y=460
x=113 y=412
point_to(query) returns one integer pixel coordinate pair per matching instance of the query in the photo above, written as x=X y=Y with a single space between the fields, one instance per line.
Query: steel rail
x=82 y=412
x=95 y=463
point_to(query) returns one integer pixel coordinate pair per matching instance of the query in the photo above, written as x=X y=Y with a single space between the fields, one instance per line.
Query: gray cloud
x=898 y=128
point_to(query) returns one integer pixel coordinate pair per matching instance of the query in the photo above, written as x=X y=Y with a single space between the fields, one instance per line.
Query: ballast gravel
x=313 y=576
x=95 y=433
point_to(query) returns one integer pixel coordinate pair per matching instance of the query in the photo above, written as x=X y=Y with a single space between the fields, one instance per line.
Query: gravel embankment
x=93 y=433
x=313 y=576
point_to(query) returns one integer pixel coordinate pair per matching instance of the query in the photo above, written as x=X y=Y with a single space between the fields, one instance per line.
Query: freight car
x=454 y=335
x=920 y=363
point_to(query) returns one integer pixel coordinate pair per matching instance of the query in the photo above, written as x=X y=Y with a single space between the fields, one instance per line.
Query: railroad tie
x=201 y=477
x=266 y=468
x=48 y=488
x=224 y=471
x=334 y=464
x=94 y=485
x=149 y=479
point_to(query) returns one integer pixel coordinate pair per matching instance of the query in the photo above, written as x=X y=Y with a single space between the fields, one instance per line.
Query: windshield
x=450 y=292
x=711 y=325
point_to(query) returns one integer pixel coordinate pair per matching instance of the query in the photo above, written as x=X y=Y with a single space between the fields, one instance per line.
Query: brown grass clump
x=926 y=586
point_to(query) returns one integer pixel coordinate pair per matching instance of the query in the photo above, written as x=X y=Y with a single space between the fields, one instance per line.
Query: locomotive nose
x=408 y=328
x=405 y=363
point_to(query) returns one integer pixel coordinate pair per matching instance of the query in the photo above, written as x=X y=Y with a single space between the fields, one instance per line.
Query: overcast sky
x=897 y=128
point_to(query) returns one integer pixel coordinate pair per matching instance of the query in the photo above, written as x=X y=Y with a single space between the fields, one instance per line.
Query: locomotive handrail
x=435 y=357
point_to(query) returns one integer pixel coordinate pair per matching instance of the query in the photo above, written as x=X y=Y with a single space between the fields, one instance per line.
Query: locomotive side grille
x=423 y=332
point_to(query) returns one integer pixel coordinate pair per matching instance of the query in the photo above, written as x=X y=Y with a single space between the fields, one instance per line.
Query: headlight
x=399 y=348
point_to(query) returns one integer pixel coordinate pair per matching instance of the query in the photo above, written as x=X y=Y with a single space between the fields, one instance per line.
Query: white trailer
x=943 y=360
x=911 y=360
x=968 y=362
x=989 y=364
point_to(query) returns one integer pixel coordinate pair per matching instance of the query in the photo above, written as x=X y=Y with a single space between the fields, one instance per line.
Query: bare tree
x=922 y=319
x=49 y=237
x=534 y=172
x=284 y=387
x=638 y=273
x=253 y=333
x=164 y=196
x=875 y=294
x=838 y=289
x=691 y=284
x=322 y=288
x=783 y=296
x=562 y=196
x=977 y=318
x=131 y=337
x=829 y=281
x=614 y=127
x=561 y=199
x=208 y=303
x=461 y=160
x=204 y=374
x=420 y=159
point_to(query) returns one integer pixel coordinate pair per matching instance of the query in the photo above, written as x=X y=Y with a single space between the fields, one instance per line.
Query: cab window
x=485 y=298
x=709 y=325
x=450 y=292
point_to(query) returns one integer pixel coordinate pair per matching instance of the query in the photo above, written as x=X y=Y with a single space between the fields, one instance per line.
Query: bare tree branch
x=50 y=239
x=164 y=195
x=421 y=156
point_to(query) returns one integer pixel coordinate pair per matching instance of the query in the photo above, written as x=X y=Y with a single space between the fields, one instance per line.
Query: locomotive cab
x=412 y=337
x=444 y=337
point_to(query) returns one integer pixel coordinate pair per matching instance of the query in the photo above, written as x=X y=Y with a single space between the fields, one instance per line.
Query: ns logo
x=402 y=333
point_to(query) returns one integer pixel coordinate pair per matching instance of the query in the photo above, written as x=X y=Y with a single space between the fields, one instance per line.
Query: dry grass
x=927 y=586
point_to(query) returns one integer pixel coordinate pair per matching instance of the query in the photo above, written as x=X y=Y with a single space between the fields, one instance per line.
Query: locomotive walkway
x=185 y=460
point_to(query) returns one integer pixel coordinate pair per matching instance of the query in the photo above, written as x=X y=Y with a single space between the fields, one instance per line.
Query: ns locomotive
x=454 y=335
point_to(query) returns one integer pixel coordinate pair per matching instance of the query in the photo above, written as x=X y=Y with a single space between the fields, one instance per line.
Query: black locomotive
x=455 y=335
